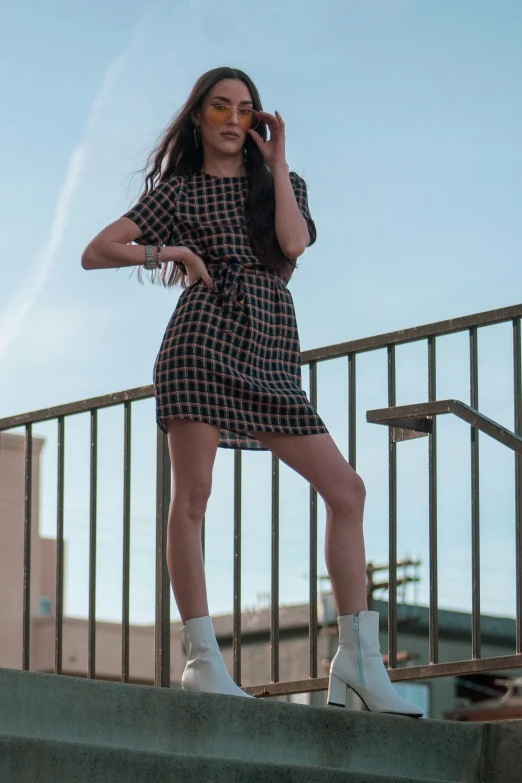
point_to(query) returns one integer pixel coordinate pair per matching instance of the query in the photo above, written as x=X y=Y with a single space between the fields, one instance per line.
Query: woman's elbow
x=295 y=252
x=87 y=258
x=298 y=249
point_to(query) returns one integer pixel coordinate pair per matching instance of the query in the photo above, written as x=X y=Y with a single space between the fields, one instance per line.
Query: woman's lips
x=231 y=135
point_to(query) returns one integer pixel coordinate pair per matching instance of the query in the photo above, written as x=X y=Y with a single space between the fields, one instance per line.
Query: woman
x=228 y=220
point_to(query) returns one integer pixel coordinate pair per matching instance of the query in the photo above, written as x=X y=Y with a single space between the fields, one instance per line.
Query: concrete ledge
x=503 y=752
x=161 y=720
x=27 y=760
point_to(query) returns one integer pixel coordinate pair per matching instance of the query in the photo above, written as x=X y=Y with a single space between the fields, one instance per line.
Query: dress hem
x=242 y=432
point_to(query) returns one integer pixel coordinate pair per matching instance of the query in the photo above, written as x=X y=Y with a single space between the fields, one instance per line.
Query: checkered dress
x=229 y=357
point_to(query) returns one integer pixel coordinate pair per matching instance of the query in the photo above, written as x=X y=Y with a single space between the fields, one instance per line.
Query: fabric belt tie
x=228 y=279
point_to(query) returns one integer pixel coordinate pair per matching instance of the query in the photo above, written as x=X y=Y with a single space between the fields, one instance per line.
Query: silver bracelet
x=150 y=261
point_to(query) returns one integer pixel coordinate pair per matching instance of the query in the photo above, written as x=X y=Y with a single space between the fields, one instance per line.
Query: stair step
x=168 y=720
x=29 y=760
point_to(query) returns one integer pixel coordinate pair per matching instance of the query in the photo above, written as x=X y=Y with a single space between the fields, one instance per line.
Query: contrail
x=21 y=302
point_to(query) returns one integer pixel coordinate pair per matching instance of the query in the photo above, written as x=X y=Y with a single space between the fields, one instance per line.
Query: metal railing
x=404 y=422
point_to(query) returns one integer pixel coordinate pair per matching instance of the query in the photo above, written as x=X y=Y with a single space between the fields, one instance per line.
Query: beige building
x=436 y=696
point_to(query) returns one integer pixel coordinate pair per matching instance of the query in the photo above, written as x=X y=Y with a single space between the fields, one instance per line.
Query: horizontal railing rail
x=72 y=408
x=406 y=416
x=410 y=421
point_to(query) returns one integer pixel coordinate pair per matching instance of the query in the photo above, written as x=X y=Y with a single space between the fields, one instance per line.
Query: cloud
x=14 y=317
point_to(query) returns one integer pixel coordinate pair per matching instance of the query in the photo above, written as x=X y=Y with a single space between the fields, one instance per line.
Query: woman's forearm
x=290 y=226
x=112 y=255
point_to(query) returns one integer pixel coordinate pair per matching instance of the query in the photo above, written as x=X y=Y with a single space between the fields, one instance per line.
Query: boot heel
x=336 y=691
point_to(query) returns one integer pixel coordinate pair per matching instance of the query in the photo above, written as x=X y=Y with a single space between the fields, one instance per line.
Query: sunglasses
x=221 y=115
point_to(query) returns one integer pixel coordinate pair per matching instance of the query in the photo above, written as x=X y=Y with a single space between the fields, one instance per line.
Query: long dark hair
x=176 y=153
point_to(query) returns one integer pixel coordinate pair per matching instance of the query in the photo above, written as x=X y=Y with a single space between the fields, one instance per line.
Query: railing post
x=236 y=633
x=274 y=603
x=517 y=377
x=91 y=655
x=58 y=638
x=125 y=610
x=26 y=631
x=433 y=527
x=162 y=625
x=475 y=500
x=392 y=491
x=352 y=411
x=313 y=547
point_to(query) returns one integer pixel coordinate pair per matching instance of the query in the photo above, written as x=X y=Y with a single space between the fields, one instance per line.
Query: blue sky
x=404 y=117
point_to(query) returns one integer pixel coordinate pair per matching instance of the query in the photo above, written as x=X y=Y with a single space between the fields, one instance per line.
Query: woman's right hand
x=195 y=267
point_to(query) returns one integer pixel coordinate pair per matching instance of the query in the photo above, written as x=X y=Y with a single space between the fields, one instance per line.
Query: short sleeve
x=155 y=214
x=301 y=196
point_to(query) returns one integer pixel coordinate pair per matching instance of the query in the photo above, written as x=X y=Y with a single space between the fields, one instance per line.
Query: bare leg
x=345 y=559
x=192 y=447
x=319 y=461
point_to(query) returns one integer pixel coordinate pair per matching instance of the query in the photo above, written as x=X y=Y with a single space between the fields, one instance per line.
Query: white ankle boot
x=205 y=669
x=358 y=665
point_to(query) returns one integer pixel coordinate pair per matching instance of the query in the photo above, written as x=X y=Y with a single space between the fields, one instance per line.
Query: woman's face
x=227 y=92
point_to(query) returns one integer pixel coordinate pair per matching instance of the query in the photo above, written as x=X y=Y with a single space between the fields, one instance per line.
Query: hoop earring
x=197 y=136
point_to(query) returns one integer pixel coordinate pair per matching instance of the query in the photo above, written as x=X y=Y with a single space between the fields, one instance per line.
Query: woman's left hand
x=273 y=151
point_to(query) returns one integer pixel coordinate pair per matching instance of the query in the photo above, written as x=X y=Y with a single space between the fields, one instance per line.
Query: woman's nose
x=234 y=117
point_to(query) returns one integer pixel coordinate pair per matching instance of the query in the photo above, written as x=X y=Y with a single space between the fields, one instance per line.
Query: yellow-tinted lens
x=219 y=115
x=247 y=118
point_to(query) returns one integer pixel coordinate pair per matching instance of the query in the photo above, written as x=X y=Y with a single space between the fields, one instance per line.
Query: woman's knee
x=190 y=502
x=192 y=448
x=349 y=494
